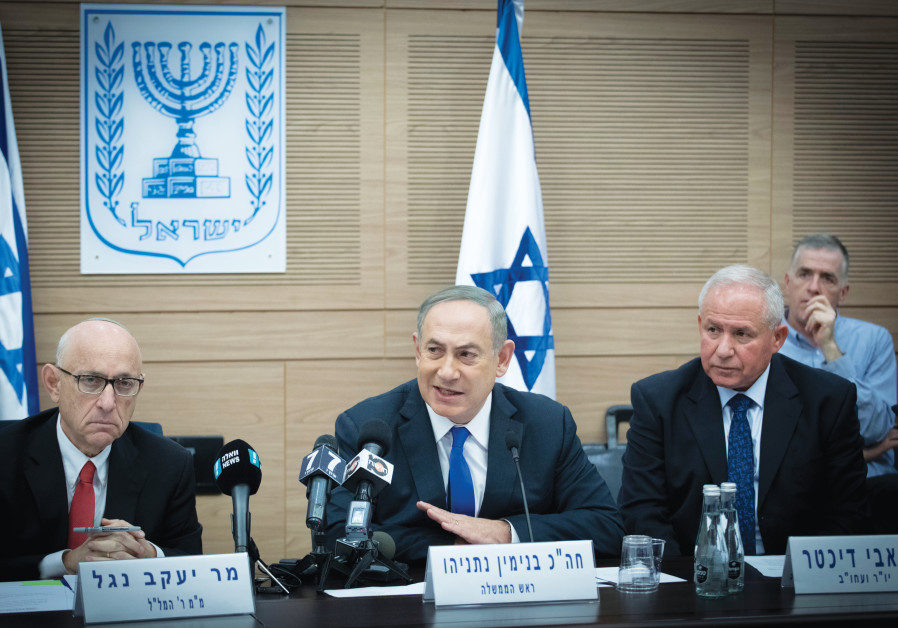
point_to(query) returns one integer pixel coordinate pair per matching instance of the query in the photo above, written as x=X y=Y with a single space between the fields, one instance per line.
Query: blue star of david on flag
x=504 y=215
x=18 y=364
x=501 y=282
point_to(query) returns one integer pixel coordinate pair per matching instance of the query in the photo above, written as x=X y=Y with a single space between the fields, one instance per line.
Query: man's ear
x=417 y=349
x=843 y=293
x=505 y=355
x=50 y=378
x=779 y=336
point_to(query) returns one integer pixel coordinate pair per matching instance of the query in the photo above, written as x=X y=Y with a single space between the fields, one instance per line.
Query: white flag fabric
x=503 y=247
x=18 y=367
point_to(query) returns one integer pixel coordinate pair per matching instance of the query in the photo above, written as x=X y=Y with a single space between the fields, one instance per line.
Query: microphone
x=238 y=473
x=512 y=443
x=367 y=473
x=385 y=543
x=318 y=469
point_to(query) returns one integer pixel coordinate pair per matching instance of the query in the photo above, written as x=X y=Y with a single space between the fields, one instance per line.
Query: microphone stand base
x=353 y=564
x=315 y=563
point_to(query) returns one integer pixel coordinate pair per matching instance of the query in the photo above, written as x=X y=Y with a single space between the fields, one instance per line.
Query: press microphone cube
x=322 y=461
x=368 y=467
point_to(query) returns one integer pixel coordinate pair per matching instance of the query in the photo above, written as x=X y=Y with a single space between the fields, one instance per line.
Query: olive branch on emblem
x=109 y=71
x=260 y=123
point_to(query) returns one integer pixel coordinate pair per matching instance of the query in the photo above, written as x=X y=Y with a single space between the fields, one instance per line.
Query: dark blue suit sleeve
x=643 y=495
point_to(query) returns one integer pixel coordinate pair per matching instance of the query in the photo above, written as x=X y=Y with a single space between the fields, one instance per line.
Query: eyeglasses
x=95 y=385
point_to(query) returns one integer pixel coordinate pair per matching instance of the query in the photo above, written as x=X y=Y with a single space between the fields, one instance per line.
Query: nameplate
x=164 y=588
x=510 y=573
x=841 y=564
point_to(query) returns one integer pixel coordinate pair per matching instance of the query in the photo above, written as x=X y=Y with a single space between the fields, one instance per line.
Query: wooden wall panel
x=652 y=139
x=835 y=138
x=334 y=109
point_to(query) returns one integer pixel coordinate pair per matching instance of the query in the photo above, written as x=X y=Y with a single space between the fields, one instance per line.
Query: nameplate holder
x=164 y=588
x=841 y=564
x=510 y=573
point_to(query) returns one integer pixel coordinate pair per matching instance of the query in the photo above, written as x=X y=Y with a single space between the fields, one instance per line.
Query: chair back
x=153 y=428
x=614 y=416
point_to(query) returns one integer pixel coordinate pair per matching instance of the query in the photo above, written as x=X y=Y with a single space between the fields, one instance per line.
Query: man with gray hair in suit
x=785 y=433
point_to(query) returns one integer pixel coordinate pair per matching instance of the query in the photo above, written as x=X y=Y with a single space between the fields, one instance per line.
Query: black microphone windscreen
x=237 y=463
x=386 y=546
x=326 y=440
x=512 y=439
x=376 y=431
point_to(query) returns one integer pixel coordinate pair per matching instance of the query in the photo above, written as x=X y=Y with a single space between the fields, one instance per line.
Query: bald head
x=97 y=348
x=91 y=328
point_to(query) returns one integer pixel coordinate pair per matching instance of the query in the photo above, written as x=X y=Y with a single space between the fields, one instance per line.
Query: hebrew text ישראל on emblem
x=182 y=139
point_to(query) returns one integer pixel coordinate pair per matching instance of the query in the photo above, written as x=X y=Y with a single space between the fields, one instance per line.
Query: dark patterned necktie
x=741 y=469
x=461 y=486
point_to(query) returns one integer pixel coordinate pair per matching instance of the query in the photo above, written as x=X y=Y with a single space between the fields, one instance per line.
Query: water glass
x=637 y=573
x=657 y=554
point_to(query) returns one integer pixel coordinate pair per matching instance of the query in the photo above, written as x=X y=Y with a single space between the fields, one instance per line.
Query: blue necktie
x=741 y=469
x=461 y=487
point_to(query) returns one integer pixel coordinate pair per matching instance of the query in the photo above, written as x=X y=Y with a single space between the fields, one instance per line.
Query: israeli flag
x=18 y=366
x=503 y=247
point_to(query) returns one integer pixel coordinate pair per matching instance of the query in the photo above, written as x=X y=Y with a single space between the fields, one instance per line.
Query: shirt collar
x=73 y=459
x=479 y=426
x=755 y=392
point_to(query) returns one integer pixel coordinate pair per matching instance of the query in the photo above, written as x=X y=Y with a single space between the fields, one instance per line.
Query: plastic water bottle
x=711 y=553
x=729 y=521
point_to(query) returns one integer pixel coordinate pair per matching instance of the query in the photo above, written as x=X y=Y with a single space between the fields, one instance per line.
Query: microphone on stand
x=238 y=473
x=320 y=469
x=513 y=442
x=367 y=474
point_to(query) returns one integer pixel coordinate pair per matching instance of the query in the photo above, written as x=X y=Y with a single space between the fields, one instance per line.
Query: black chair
x=153 y=428
x=607 y=457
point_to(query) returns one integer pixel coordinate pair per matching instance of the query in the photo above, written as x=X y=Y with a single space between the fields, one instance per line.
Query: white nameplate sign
x=164 y=588
x=841 y=564
x=510 y=573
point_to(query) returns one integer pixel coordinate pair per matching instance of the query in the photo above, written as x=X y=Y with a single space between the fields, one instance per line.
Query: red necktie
x=81 y=514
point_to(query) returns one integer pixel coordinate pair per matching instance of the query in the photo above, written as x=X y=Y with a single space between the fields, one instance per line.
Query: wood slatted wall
x=673 y=137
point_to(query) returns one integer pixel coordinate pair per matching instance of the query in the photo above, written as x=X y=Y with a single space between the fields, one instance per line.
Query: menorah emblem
x=185 y=173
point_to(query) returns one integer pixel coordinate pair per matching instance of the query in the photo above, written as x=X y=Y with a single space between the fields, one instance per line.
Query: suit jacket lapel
x=416 y=435
x=705 y=417
x=501 y=476
x=782 y=408
x=46 y=478
x=126 y=479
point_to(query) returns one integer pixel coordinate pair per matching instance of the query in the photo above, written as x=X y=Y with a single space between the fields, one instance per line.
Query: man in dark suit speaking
x=82 y=464
x=454 y=478
x=787 y=434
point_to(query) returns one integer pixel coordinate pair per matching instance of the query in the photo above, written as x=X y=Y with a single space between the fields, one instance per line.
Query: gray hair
x=481 y=297
x=63 y=343
x=822 y=241
x=754 y=278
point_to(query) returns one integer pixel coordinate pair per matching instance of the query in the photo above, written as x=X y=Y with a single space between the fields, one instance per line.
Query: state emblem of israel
x=182 y=139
